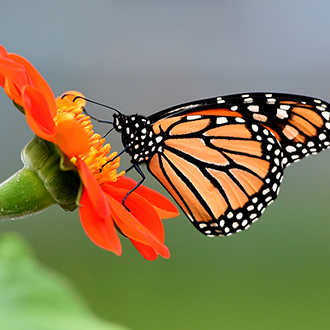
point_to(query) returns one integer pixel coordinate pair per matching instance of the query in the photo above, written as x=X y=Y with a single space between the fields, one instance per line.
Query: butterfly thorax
x=137 y=136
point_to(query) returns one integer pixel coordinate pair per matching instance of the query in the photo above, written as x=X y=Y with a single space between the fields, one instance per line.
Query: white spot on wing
x=194 y=117
x=255 y=127
x=253 y=108
x=266 y=191
x=281 y=114
x=326 y=115
x=322 y=136
x=271 y=101
x=259 y=117
x=284 y=107
x=290 y=149
x=220 y=100
x=239 y=216
x=222 y=120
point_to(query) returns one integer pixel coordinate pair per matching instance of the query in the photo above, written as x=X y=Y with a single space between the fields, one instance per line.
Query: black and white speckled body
x=137 y=136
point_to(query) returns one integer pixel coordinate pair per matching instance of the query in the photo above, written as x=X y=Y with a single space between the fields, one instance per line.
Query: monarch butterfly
x=222 y=158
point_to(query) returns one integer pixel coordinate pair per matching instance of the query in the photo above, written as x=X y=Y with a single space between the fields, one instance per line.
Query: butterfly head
x=119 y=121
x=137 y=136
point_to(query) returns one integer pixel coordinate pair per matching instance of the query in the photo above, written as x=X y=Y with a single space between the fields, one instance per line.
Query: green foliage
x=35 y=298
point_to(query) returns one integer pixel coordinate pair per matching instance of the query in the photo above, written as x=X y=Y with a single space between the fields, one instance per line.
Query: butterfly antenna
x=94 y=102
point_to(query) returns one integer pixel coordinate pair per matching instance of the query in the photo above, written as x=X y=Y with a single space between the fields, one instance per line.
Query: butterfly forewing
x=299 y=123
x=223 y=173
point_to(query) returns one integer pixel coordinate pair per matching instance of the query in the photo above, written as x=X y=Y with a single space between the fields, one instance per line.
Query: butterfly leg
x=143 y=177
x=112 y=159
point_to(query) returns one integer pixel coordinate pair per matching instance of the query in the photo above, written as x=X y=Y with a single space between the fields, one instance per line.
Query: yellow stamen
x=102 y=164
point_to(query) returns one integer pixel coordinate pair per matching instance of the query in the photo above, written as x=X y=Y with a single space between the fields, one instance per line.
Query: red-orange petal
x=3 y=51
x=146 y=251
x=2 y=80
x=140 y=208
x=14 y=78
x=37 y=113
x=14 y=72
x=12 y=91
x=133 y=229
x=36 y=80
x=101 y=231
x=3 y=54
x=93 y=189
x=164 y=207
x=71 y=137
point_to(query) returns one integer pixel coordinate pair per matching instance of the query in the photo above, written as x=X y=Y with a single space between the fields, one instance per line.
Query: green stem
x=23 y=194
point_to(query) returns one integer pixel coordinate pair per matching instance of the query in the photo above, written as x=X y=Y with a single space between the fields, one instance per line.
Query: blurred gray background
x=144 y=56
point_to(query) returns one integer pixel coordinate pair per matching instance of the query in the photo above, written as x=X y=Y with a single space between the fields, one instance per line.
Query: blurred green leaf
x=35 y=298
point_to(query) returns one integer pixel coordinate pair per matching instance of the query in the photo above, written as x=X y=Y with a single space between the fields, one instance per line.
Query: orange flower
x=62 y=122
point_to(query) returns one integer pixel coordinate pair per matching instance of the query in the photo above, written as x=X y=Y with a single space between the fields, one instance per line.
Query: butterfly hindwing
x=221 y=170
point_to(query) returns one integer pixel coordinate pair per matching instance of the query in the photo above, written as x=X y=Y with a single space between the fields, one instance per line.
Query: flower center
x=100 y=161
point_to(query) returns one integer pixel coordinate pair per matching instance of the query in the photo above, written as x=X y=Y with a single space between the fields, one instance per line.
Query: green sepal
x=62 y=182
x=19 y=107
x=67 y=165
x=47 y=178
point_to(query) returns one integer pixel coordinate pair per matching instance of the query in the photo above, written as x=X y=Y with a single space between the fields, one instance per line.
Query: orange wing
x=221 y=170
x=302 y=128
